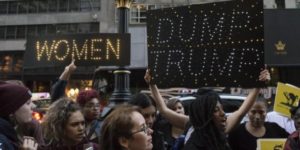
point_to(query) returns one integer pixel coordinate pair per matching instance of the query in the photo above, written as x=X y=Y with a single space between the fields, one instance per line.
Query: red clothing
x=293 y=143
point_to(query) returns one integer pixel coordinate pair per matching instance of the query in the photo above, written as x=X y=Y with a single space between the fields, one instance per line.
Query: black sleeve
x=58 y=89
x=5 y=144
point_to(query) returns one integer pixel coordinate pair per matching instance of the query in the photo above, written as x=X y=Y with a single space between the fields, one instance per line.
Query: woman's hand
x=147 y=76
x=265 y=75
x=29 y=143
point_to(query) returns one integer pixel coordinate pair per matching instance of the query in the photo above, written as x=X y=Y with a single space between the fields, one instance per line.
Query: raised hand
x=29 y=143
x=147 y=76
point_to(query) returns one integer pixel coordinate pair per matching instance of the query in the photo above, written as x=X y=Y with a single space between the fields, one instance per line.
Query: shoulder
x=5 y=144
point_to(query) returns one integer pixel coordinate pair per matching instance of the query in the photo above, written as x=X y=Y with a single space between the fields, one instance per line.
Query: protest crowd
x=146 y=122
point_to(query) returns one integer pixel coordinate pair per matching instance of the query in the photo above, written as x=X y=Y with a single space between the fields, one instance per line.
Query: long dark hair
x=201 y=118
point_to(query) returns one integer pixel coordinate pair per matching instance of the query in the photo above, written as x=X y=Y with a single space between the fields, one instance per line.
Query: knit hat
x=12 y=97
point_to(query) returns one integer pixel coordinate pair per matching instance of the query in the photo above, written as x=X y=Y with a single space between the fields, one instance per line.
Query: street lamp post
x=121 y=91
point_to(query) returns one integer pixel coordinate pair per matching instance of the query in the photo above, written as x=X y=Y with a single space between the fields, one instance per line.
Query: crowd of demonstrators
x=64 y=126
x=125 y=129
x=293 y=141
x=15 y=110
x=217 y=119
x=246 y=135
x=89 y=103
x=146 y=123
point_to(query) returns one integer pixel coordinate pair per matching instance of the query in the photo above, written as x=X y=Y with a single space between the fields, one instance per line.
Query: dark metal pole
x=121 y=91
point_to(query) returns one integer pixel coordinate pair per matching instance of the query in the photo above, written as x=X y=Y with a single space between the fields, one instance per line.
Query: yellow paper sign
x=270 y=144
x=286 y=96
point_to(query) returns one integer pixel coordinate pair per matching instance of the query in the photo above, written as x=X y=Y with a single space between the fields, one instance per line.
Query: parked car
x=230 y=102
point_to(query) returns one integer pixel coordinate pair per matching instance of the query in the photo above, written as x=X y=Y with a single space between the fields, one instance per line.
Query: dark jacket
x=292 y=143
x=58 y=89
x=8 y=136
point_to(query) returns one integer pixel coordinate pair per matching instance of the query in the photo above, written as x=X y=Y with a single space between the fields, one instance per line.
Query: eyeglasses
x=144 y=129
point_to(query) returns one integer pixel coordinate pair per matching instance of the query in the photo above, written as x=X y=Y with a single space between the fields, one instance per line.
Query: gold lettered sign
x=270 y=144
x=287 y=96
x=106 y=49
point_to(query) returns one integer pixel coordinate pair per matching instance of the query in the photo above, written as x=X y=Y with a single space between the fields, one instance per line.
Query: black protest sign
x=87 y=49
x=216 y=44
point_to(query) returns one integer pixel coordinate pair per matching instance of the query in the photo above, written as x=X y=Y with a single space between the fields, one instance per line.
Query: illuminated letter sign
x=215 y=44
x=86 y=49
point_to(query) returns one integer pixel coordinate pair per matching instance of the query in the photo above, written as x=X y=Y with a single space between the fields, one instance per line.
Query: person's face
x=219 y=117
x=149 y=114
x=296 y=119
x=141 y=134
x=74 y=129
x=24 y=113
x=91 y=109
x=179 y=108
x=257 y=114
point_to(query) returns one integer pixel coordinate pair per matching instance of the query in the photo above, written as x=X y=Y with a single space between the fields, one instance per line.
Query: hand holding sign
x=265 y=75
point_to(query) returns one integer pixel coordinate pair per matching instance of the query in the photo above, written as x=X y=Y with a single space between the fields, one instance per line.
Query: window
x=84 y=28
x=138 y=14
x=94 y=28
x=42 y=5
x=32 y=6
x=21 y=32
x=31 y=30
x=85 y=5
x=74 y=5
x=11 y=32
x=96 y=5
x=22 y=7
x=62 y=28
x=52 y=5
x=51 y=29
x=12 y=7
x=3 y=7
x=2 y=32
x=73 y=28
x=63 y=5
x=41 y=30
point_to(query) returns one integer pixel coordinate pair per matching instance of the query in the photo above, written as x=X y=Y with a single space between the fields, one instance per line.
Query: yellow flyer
x=286 y=96
x=270 y=144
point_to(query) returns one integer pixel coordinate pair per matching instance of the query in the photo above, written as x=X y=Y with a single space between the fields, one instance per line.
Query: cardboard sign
x=216 y=44
x=270 y=144
x=86 y=49
x=287 y=96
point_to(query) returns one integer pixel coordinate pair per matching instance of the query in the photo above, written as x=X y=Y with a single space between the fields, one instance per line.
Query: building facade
x=20 y=19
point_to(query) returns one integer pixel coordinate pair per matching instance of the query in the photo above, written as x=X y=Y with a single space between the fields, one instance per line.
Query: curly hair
x=85 y=96
x=56 y=119
x=117 y=124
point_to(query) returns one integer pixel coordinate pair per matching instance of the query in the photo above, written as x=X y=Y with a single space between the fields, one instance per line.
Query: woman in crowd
x=245 y=136
x=293 y=141
x=210 y=116
x=89 y=103
x=125 y=129
x=171 y=133
x=148 y=110
x=64 y=126
x=32 y=128
x=15 y=110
